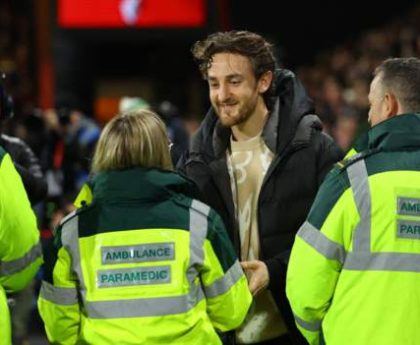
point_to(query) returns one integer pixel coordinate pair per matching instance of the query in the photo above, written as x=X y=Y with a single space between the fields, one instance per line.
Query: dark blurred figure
x=72 y=136
x=344 y=131
x=26 y=163
x=175 y=128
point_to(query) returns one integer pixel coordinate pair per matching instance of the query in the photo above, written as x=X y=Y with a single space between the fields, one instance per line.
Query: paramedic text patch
x=134 y=276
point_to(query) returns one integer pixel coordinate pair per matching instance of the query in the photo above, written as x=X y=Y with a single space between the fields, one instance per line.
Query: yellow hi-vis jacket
x=354 y=271
x=142 y=264
x=20 y=249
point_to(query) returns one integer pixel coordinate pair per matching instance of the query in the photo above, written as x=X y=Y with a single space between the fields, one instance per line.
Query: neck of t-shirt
x=248 y=144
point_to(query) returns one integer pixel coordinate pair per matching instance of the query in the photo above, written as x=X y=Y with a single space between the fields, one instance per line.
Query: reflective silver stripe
x=11 y=267
x=199 y=206
x=144 y=307
x=198 y=231
x=222 y=285
x=71 y=214
x=198 y=234
x=70 y=241
x=359 y=182
x=395 y=262
x=323 y=245
x=310 y=326
x=58 y=295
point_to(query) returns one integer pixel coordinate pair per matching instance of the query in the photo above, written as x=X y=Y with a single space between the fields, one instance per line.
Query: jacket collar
x=140 y=184
x=400 y=131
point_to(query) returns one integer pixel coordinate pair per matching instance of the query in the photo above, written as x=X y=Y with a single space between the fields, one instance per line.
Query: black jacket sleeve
x=328 y=153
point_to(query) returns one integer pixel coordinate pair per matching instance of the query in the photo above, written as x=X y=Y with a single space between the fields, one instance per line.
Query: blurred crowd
x=339 y=80
x=16 y=59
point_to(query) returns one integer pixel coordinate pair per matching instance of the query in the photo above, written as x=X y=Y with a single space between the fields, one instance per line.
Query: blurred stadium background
x=69 y=63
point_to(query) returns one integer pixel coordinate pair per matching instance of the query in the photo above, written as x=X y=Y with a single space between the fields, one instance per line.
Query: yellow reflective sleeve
x=315 y=264
x=313 y=337
x=60 y=321
x=17 y=281
x=227 y=293
x=311 y=280
x=58 y=303
x=20 y=249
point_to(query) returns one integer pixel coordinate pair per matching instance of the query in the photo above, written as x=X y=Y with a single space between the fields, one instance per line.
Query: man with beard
x=258 y=159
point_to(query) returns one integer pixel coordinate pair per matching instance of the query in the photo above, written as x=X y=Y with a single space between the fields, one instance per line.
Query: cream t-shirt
x=248 y=163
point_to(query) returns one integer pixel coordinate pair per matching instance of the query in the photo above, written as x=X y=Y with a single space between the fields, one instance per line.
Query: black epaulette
x=345 y=163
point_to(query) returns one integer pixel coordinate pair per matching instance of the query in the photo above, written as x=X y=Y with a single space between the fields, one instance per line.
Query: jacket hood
x=140 y=184
x=291 y=105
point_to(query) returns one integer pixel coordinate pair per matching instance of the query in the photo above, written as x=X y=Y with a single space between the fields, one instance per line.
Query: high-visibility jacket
x=20 y=249
x=142 y=264
x=354 y=271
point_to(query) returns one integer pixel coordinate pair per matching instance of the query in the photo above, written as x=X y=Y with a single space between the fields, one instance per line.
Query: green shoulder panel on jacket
x=334 y=185
x=378 y=161
x=347 y=161
x=408 y=160
x=220 y=241
x=102 y=217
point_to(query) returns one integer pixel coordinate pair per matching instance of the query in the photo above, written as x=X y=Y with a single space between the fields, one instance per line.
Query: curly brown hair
x=245 y=43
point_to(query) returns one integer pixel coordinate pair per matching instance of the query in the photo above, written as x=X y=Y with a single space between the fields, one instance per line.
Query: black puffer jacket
x=303 y=156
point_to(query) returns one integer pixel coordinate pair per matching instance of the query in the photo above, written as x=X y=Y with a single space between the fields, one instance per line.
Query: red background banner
x=131 y=13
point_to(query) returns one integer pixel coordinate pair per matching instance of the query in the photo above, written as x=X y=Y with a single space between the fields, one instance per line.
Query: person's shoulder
x=13 y=143
x=190 y=203
x=309 y=130
x=199 y=208
x=349 y=160
x=66 y=219
x=18 y=149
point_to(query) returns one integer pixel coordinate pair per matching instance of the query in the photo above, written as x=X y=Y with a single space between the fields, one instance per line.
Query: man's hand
x=257 y=274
